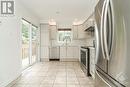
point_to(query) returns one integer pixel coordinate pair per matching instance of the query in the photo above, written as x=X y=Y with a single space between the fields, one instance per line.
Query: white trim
x=10 y=82
x=44 y=59
x=69 y=59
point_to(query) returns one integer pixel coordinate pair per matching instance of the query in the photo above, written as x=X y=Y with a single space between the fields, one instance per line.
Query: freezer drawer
x=104 y=80
x=100 y=81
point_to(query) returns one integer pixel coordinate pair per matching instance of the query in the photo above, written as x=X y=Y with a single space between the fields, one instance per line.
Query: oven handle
x=85 y=50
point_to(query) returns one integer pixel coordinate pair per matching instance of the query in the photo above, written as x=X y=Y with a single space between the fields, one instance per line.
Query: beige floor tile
x=60 y=80
x=18 y=85
x=54 y=74
x=59 y=86
x=46 y=85
x=86 y=85
x=73 y=85
x=47 y=82
x=33 y=85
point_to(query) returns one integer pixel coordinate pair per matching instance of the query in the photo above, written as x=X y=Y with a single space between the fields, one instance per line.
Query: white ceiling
x=64 y=12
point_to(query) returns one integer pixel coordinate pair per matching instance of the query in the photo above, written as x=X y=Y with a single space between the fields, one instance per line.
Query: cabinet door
x=63 y=52
x=76 y=52
x=45 y=39
x=75 y=32
x=53 y=32
x=70 y=52
x=44 y=52
x=81 y=32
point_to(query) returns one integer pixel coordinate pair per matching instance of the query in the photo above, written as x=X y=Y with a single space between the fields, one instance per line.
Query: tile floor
x=54 y=74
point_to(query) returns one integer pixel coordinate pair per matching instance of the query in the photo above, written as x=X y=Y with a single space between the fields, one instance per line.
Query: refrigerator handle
x=102 y=25
x=105 y=30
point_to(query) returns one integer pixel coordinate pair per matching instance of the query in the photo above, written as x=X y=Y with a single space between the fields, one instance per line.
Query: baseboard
x=69 y=59
x=44 y=59
x=13 y=82
x=10 y=82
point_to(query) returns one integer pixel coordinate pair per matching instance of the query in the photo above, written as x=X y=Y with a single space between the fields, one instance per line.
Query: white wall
x=10 y=44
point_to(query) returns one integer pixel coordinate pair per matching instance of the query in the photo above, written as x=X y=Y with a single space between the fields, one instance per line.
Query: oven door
x=83 y=57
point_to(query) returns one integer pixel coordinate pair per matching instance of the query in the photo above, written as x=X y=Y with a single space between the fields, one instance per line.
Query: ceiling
x=64 y=12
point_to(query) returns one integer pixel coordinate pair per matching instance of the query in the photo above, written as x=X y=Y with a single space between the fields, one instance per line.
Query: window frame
x=64 y=31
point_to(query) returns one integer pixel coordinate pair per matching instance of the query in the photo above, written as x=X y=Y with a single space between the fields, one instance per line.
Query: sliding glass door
x=34 y=44
x=29 y=44
x=25 y=43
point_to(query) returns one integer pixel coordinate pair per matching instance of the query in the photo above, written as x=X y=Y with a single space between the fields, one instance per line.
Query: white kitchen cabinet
x=92 y=62
x=75 y=32
x=81 y=33
x=78 y=32
x=53 y=32
x=45 y=37
x=44 y=52
x=63 y=52
x=70 y=53
x=76 y=52
x=45 y=42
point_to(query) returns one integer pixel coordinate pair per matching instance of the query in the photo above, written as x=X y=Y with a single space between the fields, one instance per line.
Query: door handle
x=105 y=30
x=102 y=26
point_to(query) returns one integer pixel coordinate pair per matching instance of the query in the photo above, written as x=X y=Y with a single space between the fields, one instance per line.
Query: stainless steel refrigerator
x=113 y=40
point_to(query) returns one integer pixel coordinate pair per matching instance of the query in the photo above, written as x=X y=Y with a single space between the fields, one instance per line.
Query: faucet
x=66 y=39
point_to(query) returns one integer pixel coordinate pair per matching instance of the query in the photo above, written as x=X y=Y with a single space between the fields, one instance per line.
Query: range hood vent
x=64 y=29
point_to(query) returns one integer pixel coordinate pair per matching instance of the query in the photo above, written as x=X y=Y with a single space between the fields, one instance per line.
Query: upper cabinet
x=81 y=33
x=53 y=32
x=45 y=37
x=75 y=32
x=89 y=23
x=78 y=32
x=85 y=30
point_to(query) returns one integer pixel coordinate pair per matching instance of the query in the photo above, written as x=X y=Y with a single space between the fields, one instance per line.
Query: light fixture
x=52 y=22
x=77 y=22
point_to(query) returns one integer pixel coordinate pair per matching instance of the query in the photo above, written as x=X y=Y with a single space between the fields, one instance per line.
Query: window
x=64 y=35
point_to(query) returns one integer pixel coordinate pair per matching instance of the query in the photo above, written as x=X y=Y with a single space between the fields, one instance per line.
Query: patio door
x=25 y=43
x=34 y=43
x=29 y=44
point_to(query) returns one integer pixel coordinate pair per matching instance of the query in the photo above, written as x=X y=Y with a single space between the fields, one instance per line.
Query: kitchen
x=65 y=44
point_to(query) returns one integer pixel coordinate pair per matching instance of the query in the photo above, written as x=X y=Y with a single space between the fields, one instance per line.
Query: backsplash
x=82 y=42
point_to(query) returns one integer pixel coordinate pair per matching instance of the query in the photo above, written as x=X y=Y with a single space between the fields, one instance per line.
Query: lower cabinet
x=76 y=52
x=62 y=52
x=44 y=53
x=69 y=53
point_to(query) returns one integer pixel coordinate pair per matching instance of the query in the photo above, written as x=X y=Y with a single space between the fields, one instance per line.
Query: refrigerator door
x=99 y=12
x=115 y=41
x=126 y=15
